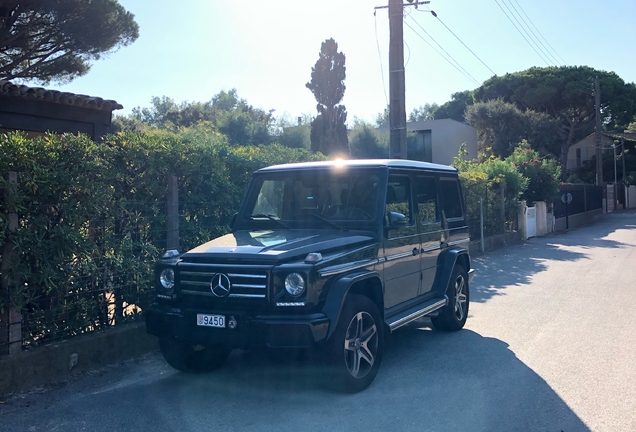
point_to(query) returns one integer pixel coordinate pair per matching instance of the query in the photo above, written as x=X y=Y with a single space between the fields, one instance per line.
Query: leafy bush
x=92 y=217
x=366 y=143
x=543 y=174
x=484 y=181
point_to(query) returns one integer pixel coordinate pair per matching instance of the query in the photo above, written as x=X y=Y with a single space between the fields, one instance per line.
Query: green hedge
x=92 y=217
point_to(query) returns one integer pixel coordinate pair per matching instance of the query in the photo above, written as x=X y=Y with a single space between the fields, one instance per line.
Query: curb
x=59 y=361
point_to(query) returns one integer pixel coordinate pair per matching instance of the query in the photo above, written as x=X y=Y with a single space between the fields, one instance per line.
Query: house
x=438 y=141
x=585 y=149
x=36 y=110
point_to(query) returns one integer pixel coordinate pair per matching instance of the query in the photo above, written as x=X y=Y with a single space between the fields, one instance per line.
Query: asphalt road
x=550 y=345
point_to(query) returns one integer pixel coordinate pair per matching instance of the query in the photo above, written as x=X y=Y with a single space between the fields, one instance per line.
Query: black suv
x=328 y=255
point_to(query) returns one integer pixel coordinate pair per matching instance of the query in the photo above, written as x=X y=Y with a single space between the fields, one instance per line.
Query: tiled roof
x=626 y=135
x=7 y=88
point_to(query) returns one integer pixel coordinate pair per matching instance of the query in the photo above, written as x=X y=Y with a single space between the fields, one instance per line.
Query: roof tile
x=7 y=88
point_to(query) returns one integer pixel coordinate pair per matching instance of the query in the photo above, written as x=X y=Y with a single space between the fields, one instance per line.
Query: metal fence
x=499 y=213
x=584 y=198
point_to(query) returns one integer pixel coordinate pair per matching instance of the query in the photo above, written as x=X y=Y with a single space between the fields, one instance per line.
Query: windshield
x=322 y=197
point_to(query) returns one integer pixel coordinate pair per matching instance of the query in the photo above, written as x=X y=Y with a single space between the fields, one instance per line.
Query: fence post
x=481 y=222
x=172 y=214
x=503 y=208
x=11 y=318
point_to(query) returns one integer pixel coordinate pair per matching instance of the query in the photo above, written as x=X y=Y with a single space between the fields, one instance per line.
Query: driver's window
x=270 y=199
x=398 y=197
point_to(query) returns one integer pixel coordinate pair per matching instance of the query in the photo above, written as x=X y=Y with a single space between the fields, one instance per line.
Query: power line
x=462 y=42
x=444 y=57
x=540 y=34
x=478 y=58
x=545 y=51
x=375 y=18
x=442 y=48
x=580 y=89
x=522 y=35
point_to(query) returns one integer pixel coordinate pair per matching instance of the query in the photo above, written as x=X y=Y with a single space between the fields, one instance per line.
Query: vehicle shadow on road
x=465 y=381
x=429 y=380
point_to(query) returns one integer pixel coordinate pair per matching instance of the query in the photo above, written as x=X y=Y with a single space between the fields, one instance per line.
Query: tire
x=188 y=358
x=452 y=317
x=353 y=354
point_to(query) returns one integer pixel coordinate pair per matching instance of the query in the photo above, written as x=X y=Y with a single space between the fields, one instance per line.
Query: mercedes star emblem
x=220 y=285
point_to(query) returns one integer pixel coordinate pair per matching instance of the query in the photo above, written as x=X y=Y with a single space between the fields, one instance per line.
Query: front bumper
x=274 y=331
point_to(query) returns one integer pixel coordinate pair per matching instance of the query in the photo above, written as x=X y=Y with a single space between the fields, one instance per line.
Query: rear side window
x=426 y=192
x=451 y=202
x=398 y=196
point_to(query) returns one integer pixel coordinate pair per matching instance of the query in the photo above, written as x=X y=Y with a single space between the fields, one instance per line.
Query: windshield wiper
x=269 y=217
x=325 y=220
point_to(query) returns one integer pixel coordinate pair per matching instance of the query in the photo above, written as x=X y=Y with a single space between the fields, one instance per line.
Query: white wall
x=631 y=196
x=447 y=136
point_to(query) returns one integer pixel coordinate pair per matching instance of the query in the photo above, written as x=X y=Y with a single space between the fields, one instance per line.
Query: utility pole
x=597 y=135
x=397 y=87
x=623 y=159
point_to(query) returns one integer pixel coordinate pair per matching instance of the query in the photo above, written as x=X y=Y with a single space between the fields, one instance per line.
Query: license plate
x=205 y=320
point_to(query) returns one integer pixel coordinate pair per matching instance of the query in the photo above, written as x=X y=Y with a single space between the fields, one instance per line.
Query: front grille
x=246 y=282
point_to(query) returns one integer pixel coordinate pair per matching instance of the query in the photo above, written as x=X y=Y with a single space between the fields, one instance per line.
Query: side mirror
x=397 y=220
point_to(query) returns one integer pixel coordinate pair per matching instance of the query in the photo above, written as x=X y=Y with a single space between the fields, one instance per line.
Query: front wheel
x=452 y=317
x=192 y=358
x=354 y=352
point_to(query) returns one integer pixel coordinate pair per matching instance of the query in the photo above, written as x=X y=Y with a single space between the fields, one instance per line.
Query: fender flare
x=338 y=294
x=450 y=260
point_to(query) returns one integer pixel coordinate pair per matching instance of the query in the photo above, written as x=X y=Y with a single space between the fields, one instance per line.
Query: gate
x=531 y=221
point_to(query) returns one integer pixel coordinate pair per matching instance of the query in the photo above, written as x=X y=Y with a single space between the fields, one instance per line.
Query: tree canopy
x=455 y=108
x=55 y=40
x=423 y=112
x=566 y=94
x=329 y=130
x=227 y=113
x=501 y=126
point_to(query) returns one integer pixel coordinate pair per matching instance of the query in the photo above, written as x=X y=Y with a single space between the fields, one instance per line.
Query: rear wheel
x=193 y=358
x=354 y=352
x=452 y=317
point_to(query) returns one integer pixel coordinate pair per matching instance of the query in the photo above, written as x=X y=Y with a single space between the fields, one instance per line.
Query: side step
x=417 y=311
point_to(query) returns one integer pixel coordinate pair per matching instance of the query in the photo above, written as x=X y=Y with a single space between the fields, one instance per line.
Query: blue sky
x=265 y=49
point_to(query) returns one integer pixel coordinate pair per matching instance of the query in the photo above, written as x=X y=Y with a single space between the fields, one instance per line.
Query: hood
x=276 y=245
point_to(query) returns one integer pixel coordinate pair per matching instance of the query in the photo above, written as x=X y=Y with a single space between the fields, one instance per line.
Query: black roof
x=360 y=163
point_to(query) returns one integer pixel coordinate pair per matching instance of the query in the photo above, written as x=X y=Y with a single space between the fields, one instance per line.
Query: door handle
x=415 y=251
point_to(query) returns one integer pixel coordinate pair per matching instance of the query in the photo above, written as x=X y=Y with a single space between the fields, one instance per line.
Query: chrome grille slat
x=190 y=273
x=209 y=294
x=252 y=276
x=195 y=283
x=249 y=286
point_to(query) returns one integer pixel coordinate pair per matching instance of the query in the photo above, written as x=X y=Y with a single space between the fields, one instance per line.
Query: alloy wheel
x=361 y=345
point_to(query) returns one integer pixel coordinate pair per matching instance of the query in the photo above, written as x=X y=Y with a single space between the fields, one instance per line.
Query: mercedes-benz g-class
x=326 y=255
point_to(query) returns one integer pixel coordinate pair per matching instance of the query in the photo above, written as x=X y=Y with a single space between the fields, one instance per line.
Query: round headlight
x=295 y=284
x=167 y=278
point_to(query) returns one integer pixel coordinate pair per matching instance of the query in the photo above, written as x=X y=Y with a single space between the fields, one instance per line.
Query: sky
x=266 y=49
